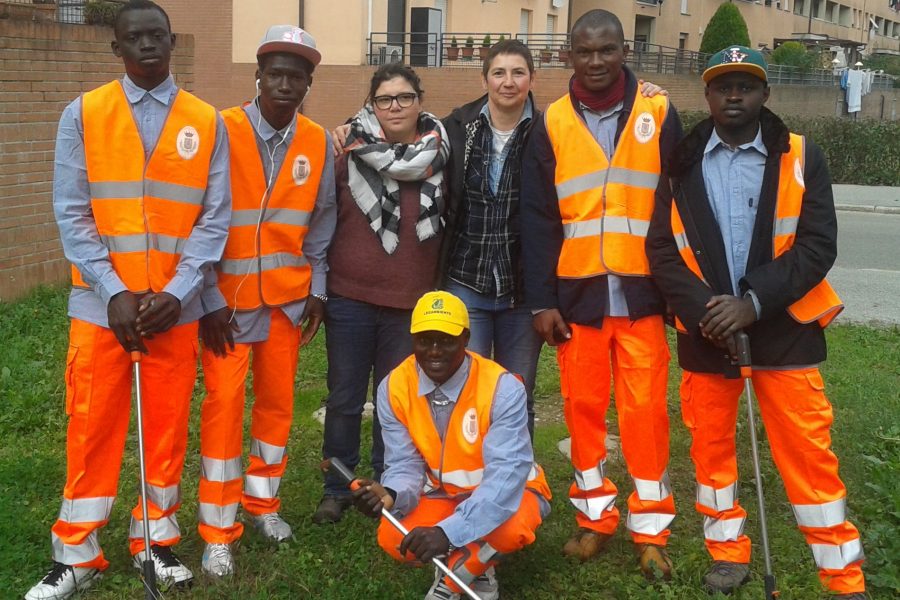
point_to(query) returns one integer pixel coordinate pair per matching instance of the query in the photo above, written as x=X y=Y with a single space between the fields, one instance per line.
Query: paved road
x=867 y=272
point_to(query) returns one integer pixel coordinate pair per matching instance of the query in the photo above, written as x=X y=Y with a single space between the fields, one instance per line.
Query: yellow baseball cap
x=440 y=311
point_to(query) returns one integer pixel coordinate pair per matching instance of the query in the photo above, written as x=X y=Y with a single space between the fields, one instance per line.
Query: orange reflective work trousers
x=473 y=559
x=98 y=403
x=274 y=365
x=634 y=354
x=797 y=417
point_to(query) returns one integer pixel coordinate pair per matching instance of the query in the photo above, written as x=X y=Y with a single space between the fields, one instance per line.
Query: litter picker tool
x=742 y=341
x=147 y=570
x=336 y=467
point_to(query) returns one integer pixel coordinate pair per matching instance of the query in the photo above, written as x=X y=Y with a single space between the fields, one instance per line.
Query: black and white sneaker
x=169 y=568
x=486 y=585
x=440 y=591
x=62 y=582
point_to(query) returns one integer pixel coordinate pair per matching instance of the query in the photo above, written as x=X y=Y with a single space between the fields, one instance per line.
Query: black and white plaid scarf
x=375 y=167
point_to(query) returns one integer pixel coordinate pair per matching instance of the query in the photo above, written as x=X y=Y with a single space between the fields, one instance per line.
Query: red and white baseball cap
x=290 y=39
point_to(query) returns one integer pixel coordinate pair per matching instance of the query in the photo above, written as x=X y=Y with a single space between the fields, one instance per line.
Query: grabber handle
x=136 y=356
x=335 y=466
x=742 y=343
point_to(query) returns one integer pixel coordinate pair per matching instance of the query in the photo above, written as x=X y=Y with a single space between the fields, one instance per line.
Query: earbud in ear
x=257 y=86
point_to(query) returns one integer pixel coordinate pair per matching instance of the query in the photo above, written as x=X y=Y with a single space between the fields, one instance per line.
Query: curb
x=885 y=210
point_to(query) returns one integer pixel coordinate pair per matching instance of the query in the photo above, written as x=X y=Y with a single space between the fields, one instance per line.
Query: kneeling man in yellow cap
x=460 y=471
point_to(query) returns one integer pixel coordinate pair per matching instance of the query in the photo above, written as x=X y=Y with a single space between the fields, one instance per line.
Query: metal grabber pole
x=147 y=569
x=336 y=467
x=744 y=361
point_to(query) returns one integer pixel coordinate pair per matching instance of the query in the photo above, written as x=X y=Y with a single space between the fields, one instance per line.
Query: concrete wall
x=43 y=66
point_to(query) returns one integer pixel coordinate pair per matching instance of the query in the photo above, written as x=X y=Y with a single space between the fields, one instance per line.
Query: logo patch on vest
x=188 y=142
x=798 y=173
x=644 y=127
x=301 y=170
x=470 y=426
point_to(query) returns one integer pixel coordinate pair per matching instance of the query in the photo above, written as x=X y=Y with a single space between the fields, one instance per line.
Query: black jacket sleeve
x=542 y=232
x=669 y=137
x=786 y=279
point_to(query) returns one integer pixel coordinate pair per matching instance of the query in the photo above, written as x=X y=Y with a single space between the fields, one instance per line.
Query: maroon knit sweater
x=358 y=266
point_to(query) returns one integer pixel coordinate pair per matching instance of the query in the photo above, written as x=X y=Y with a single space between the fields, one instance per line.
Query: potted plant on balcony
x=546 y=55
x=469 y=49
x=453 y=49
x=563 y=54
x=485 y=46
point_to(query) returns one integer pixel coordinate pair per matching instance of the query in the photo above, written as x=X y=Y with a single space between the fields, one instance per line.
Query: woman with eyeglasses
x=383 y=257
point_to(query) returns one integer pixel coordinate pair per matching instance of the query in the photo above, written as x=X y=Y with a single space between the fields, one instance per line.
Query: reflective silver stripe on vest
x=174 y=192
x=106 y=190
x=582 y=183
x=283 y=216
x=717 y=499
x=215 y=515
x=594 y=507
x=597 y=179
x=649 y=523
x=829 y=556
x=486 y=553
x=460 y=478
x=633 y=178
x=828 y=514
x=136 y=242
x=261 y=487
x=216 y=469
x=86 y=510
x=167 y=243
x=591 y=479
x=271 y=455
x=164 y=497
x=681 y=241
x=649 y=490
x=607 y=224
x=785 y=226
x=161 y=530
x=73 y=554
x=244 y=266
x=723 y=530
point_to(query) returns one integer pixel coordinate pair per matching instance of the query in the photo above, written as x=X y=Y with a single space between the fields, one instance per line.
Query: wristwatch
x=322 y=297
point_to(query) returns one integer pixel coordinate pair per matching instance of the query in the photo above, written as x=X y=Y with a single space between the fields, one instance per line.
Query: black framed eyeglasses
x=403 y=101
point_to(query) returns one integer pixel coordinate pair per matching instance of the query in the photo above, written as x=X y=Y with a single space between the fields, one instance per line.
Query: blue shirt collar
x=757 y=144
x=527 y=113
x=163 y=93
x=452 y=388
x=260 y=125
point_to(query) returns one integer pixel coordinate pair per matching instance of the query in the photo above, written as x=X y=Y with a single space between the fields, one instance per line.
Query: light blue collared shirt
x=603 y=126
x=498 y=159
x=78 y=231
x=506 y=451
x=273 y=145
x=733 y=179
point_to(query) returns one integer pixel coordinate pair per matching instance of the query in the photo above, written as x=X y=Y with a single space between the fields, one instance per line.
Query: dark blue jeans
x=364 y=342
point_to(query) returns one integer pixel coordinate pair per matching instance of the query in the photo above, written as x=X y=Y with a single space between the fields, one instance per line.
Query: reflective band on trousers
x=271 y=455
x=607 y=224
x=160 y=529
x=723 y=530
x=107 y=190
x=244 y=266
x=86 y=510
x=589 y=181
x=653 y=491
x=282 y=216
x=828 y=514
x=594 y=507
x=261 y=487
x=216 y=515
x=591 y=479
x=141 y=242
x=164 y=497
x=486 y=553
x=75 y=554
x=219 y=470
x=649 y=523
x=717 y=499
x=830 y=556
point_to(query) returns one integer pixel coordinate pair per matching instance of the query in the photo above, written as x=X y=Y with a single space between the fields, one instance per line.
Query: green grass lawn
x=344 y=561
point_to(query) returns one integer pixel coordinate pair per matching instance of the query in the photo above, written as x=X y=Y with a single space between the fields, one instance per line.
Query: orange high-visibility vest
x=821 y=303
x=145 y=210
x=457 y=464
x=605 y=204
x=263 y=262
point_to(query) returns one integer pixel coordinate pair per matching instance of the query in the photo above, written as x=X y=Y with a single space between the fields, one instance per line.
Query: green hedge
x=863 y=152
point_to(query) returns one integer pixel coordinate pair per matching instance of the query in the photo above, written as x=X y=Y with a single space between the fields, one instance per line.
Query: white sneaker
x=486 y=585
x=169 y=568
x=62 y=582
x=217 y=560
x=272 y=526
x=439 y=589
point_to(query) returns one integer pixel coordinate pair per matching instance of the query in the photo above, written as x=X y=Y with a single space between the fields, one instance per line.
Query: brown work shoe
x=655 y=562
x=586 y=544
x=331 y=509
x=724 y=576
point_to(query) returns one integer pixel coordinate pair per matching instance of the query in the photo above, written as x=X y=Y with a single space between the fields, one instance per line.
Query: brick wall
x=43 y=66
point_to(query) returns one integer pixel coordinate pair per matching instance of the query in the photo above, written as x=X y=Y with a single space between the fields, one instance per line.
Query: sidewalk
x=865 y=198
